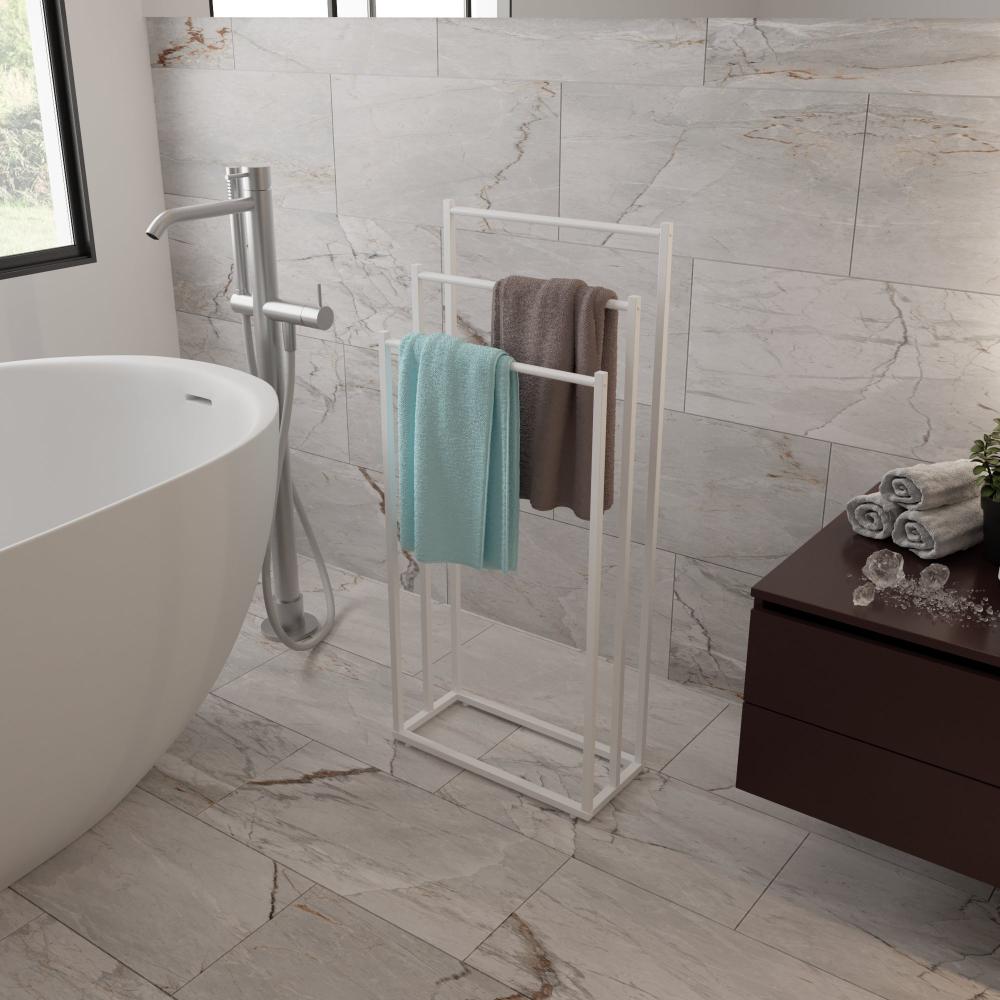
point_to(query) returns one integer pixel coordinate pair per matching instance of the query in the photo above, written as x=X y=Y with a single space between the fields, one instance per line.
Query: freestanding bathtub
x=135 y=501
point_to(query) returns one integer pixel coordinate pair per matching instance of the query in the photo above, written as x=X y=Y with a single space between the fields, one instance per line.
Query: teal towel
x=459 y=452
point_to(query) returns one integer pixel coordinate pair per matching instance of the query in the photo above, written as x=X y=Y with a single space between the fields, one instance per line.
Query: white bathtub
x=133 y=520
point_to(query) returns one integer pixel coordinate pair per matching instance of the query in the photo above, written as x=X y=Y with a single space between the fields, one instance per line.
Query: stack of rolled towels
x=931 y=509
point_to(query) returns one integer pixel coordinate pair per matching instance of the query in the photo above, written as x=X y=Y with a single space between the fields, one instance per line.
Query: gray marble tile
x=362 y=265
x=545 y=679
x=319 y=417
x=159 y=890
x=928 y=211
x=46 y=961
x=202 y=42
x=425 y=865
x=889 y=930
x=323 y=946
x=734 y=495
x=15 y=912
x=250 y=650
x=887 y=367
x=854 y=471
x=222 y=747
x=406 y=143
x=345 y=505
x=709 y=626
x=362 y=624
x=364 y=407
x=216 y=341
x=626 y=272
x=709 y=762
x=759 y=177
x=209 y=120
x=345 y=702
x=587 y=935
x=931 y=56
x=689 y=846
x=547 y=595
x=394 y=46
x=620 y=50
x=682 y=843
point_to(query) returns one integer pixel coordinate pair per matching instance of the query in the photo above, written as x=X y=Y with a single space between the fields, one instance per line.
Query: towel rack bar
x=556 y=374
x=553 y=220
x=617 y=305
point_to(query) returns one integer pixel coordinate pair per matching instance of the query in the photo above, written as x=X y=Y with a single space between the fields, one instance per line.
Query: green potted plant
x=986 y=455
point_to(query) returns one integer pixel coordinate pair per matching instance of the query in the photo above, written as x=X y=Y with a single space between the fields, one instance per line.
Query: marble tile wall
x=836 y=299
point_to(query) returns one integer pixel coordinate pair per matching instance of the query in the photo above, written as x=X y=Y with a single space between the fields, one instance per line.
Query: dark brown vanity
x=879 y=719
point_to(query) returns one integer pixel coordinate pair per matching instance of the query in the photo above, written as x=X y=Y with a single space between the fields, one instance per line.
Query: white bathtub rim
x=260 y=388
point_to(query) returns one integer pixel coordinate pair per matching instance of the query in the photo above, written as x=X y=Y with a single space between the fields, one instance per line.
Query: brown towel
x=559 y=323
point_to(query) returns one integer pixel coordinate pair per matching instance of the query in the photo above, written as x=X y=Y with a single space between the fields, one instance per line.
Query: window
x=360 y=8
x=44 y=214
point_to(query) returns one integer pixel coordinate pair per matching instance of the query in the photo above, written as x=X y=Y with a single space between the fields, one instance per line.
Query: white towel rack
x=622 y=765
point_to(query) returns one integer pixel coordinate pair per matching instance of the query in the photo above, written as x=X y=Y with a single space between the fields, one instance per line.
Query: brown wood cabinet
x=882 y=719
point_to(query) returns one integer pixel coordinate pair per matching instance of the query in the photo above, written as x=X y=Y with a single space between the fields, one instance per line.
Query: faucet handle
x=319 y=294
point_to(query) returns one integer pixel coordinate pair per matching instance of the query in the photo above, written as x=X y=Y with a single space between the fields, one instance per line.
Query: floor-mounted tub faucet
x=269 y=332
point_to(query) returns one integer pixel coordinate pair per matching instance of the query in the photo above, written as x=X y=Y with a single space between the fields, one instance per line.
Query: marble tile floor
x=284 y=848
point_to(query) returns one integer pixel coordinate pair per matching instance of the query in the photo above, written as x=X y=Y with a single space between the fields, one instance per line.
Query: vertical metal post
x=625 y=495
x=449 y=264
x=389 y=465
x=425 y=582
x=594 y=567
x=256 y=183
x=665 y=250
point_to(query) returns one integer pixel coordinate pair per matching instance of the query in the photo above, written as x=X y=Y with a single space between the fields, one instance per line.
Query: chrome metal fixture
x=269 y=326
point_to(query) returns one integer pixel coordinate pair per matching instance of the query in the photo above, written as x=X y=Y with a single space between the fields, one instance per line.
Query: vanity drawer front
x=942 y=817
x=929 y=708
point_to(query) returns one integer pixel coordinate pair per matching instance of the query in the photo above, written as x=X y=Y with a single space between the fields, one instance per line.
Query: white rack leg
x=626 y=497
x=665 y=251
x=594 y=567
x=389 y=464
x=449 y=260
x=455 y=603
x=425 y=636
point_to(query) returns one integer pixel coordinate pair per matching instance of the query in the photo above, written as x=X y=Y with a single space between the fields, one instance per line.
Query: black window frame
x=332 y=7
x=82 y=250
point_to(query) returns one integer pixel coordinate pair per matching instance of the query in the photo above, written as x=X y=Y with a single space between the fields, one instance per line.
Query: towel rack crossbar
x=556 y=374
x=617 y=228
x=622 y=766
x=617 y=305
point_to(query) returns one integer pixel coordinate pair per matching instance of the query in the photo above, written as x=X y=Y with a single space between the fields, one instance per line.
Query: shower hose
x=287 y=401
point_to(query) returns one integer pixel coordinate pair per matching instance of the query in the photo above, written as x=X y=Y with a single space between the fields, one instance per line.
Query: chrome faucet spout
x=188 y=213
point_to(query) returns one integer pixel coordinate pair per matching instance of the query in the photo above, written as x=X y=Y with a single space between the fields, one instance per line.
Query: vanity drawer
x=942 y=817
x=934 y=709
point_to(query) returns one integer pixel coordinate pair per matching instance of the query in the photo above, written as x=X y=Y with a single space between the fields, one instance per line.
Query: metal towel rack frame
x=623 y=766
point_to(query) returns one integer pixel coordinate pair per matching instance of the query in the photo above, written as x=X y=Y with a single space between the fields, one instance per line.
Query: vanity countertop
x=820 y=577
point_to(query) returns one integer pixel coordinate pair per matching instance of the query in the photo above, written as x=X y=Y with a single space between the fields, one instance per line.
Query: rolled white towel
x=933 y=534
x=928 y=486
x=872 y=516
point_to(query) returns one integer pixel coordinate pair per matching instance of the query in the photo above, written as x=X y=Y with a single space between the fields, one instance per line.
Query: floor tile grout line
x=700 y=732
x=524 y=902
x=861 y=174
x=243 y=940
x=774 y=879
x=79 y=933
x=717 y=792
x=704 y=63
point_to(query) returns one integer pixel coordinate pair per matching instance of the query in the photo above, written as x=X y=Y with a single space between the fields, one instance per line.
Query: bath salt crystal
x=934 y=577
x=884 y=568
x=864 y=595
